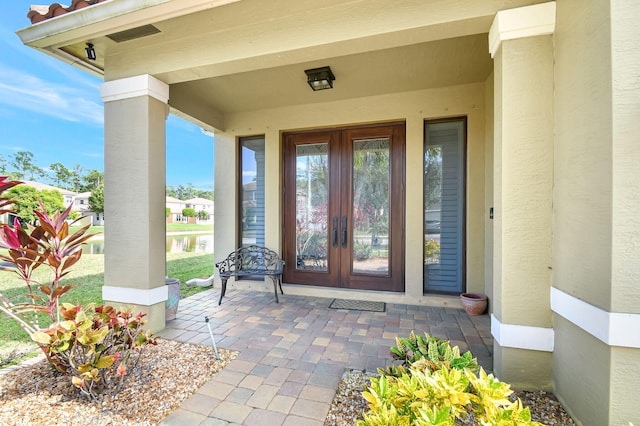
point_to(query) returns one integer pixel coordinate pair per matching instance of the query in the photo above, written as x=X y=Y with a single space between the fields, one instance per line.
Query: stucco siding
x=625 y=383
x=583 y=153
x=524 y=159
x=135 y=135
x=581 y=368
x=489 y=184
x=411 y=107
x=625 y=15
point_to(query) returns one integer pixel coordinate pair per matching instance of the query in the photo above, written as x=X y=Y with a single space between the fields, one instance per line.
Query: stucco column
x=135 y=111
x=520 y=41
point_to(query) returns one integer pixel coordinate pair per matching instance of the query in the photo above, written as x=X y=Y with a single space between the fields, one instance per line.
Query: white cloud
x=248 y=174
x=69 y=103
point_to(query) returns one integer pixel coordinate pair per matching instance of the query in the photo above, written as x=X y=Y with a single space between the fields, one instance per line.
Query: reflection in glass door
x=312 y=202
x=343 y=212
x=370 y=206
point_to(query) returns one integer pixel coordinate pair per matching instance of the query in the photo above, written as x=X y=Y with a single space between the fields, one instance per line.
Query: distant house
x=81 y=205
x=67 y=196
x=81 y=202
x=175 y=207
x=201 y=205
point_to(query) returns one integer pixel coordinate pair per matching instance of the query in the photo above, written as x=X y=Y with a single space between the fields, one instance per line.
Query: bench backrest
x=252 y=258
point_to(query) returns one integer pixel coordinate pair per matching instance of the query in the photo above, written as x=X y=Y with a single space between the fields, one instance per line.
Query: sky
x=54 y=111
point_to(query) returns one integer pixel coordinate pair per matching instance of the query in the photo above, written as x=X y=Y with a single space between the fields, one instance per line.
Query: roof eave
x=106 y=18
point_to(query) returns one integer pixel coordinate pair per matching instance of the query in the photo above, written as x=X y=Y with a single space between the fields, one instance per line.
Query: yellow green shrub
x=435 y=385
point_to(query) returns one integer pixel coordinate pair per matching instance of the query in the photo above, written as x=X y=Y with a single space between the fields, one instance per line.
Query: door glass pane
x=312 y=197
x=370 y=214
x=252 y=191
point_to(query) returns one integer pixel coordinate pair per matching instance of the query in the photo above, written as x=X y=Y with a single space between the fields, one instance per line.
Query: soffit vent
x=143 y=31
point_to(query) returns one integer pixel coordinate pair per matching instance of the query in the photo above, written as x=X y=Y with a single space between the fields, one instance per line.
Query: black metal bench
x=249 y=262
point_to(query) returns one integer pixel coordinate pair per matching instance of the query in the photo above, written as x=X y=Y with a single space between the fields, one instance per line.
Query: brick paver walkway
x=294 y=354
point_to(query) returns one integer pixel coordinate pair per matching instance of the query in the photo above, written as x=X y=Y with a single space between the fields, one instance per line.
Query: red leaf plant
x=48 y=244
x=92 y=344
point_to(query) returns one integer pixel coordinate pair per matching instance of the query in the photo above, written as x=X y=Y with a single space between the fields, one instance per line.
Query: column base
x=523 y=369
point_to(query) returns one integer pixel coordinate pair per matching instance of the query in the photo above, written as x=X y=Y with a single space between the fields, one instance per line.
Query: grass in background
x=88 y=277
x=171 y=227
x=186 y=227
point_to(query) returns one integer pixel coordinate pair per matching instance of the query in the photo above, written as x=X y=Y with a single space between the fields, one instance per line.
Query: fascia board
x=107 y=18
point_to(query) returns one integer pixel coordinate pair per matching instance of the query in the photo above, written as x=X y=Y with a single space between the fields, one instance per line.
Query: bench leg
x=275 y=287
x=280 y=283
x=223 y=290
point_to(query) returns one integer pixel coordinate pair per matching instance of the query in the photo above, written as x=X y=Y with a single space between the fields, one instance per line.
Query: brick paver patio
x=293 y=354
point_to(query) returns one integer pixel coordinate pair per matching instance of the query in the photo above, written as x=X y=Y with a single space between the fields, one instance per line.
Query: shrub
x=435 y=385
x=96 y=346
x=421 y=397
x=188 y=212
x=432 y=249
x=361 y=251
x=431 y=351
x=93 y=345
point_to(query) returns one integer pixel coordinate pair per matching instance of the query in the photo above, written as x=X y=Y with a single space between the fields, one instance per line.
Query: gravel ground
x=348 y=404
x=35 y=394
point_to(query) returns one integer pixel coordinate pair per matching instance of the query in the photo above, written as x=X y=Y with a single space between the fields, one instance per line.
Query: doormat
x=358 y=305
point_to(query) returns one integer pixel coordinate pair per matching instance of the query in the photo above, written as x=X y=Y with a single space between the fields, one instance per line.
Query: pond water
x=193 y=243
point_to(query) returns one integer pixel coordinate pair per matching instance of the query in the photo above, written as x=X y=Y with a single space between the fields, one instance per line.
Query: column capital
x=131 y=87
x=521 y=22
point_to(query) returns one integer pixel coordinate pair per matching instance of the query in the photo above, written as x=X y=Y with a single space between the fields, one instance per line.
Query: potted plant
x=474 y=303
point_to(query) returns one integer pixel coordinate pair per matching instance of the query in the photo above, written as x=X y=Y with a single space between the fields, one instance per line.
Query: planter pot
x=474 y=303
x=174 y=298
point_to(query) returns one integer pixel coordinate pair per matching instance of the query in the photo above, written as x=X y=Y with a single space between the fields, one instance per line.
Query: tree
x=26 y=201
x=189 y=212
x=171 y=191
x=371 y=190
x=52 y=200
x=432 y=177
x=92 y=180
x=63 y=175
x=3 y=165
x=186 y=193
x=207 y=195
x=76 y=177
x=22 y=161
x=203 y=215
x=96 y=200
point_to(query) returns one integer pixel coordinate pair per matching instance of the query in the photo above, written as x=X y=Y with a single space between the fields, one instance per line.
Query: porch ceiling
x=439 y=63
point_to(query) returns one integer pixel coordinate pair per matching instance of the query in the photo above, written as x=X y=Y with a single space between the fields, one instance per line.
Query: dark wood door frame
x=339 y=273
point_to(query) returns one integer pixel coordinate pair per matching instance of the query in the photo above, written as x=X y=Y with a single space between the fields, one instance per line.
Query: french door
x=343 y=211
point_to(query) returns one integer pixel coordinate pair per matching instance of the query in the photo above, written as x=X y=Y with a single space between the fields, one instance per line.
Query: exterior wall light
x=91 y=52
x=320 y=78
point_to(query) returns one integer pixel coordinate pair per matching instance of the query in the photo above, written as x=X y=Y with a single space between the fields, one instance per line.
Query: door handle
x=344 y=232
x=335 y=231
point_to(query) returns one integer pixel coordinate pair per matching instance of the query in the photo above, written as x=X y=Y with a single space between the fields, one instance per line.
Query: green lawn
x=88 y=277
x=171 y=227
